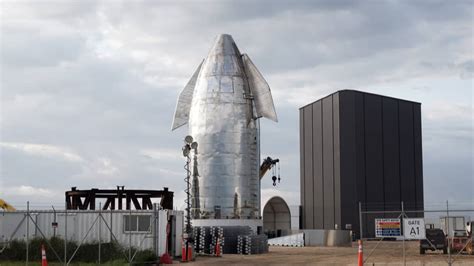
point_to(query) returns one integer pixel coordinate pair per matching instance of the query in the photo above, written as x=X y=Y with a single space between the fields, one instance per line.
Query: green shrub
x=15 y=251
x=144 y=257
x=87 y=253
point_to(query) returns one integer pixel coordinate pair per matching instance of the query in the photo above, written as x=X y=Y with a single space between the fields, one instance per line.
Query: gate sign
x=387 y=227
x=414 y=228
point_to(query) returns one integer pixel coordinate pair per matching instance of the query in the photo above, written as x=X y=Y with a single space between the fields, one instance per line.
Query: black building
x=359 y=147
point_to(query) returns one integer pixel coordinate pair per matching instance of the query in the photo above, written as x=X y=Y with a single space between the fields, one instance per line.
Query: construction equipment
x=267 y=164
x=469 y=231
x=7 y=207
x=459 y=234
x=461 y=242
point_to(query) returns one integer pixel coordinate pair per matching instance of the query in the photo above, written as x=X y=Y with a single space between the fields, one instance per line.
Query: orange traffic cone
x=361 y=254
x=190 y=253
x=218 y=248
x=44 y=262
x=183 y=251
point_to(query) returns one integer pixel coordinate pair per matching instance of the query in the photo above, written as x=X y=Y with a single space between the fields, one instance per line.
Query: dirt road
x=387 y=253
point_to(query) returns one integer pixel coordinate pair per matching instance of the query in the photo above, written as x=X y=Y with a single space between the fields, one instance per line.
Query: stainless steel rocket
x=222 y=103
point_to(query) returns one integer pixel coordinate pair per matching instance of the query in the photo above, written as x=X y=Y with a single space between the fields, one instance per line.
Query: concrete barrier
x=295 y=240
x=314 y=238
x=328 y=238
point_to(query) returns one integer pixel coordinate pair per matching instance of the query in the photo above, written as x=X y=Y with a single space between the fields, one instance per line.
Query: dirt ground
x=387 y=253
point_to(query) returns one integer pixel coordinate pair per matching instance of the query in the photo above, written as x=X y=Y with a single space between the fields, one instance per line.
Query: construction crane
x=7 y=207
x=267 y=164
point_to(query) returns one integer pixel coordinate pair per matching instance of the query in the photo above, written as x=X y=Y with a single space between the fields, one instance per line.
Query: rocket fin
x=181 y=114
x=264 y=106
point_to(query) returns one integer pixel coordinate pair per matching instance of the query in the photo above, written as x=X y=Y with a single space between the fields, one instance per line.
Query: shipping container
x=135 y=229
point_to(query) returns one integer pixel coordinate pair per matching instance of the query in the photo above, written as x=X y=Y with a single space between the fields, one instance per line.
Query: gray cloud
x=40 y=51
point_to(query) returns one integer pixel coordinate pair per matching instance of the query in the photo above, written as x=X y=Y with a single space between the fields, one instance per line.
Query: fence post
x=155 y=230
x=130 y=236
x=111 y=226
x=54 y=220
x=100 y=227
x=65 y=235
x=448 y=229
x=360 y=221
x=27 y=230
x=403 y=217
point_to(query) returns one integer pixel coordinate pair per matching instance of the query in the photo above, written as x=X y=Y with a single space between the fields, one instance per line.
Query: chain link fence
x=92 y=235
x=387 y=222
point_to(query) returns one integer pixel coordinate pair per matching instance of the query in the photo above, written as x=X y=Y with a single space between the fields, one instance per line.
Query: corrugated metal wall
x=355 y=147
x=79 y=223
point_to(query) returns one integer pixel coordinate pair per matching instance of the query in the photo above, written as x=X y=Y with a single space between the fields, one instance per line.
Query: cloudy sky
x=88 y=89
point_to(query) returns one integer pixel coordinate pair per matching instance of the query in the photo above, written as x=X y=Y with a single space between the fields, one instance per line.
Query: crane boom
x=7 y=207
x=267 y=164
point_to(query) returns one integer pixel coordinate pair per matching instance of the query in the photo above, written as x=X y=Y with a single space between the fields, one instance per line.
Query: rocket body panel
x=222 y=119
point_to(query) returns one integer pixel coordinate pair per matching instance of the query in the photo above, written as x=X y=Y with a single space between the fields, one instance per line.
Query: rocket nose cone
x=224 y=36
x=224 y=45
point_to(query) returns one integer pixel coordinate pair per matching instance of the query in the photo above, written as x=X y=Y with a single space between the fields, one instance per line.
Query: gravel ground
x=387 y=253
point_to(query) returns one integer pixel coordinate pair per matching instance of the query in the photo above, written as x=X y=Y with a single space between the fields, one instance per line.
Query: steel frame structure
x=141 y=199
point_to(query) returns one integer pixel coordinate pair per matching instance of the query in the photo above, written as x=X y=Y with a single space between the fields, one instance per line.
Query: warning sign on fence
x=387 y=227
x=414 y=228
